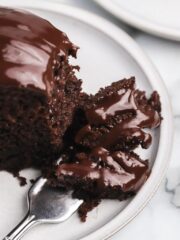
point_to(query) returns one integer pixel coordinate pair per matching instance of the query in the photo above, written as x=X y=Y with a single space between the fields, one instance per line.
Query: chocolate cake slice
x=38 y=90
x=97 y=161
x=115 y=117
x=101 y=174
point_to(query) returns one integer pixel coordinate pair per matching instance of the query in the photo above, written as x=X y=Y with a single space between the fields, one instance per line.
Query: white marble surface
x=160 y=220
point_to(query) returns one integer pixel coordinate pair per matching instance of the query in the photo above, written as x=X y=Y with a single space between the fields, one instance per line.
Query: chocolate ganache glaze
x=120 y=170
x=121 y=102
x=29 y=48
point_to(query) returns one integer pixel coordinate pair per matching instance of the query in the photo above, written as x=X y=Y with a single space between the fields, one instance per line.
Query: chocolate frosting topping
x=123 y=101
x=116 y=169
x=29 y=49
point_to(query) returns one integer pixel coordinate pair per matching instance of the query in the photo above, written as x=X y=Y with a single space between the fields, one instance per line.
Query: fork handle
x=18 y=232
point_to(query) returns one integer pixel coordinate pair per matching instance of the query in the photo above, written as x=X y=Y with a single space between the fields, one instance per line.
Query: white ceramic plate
x=107 y=54
x=159 y=17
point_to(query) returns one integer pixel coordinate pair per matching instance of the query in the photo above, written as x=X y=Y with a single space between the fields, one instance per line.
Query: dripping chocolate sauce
x=29 y=48
x=117 y=169
x=123 y=101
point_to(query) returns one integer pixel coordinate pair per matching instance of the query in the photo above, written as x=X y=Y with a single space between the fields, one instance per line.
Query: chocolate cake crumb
x=32 y=181
x=86 y=207
x=22 y=180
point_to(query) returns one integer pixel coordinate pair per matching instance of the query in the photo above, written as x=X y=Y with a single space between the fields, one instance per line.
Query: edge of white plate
x=166 y=130
x=140 y=23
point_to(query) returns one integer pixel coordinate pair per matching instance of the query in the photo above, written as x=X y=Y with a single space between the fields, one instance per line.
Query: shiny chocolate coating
x=108 y=169
x=30 y=49
x=121 y=102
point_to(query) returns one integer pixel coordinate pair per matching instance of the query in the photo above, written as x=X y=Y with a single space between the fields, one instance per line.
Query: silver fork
x=46 y=205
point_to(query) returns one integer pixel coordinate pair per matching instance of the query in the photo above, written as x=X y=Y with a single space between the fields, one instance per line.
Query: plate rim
x=140 y=23
x=166 y=129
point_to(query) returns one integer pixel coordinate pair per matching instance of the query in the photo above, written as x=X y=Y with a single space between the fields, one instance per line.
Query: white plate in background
x=158 y=17
x=106 y=54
